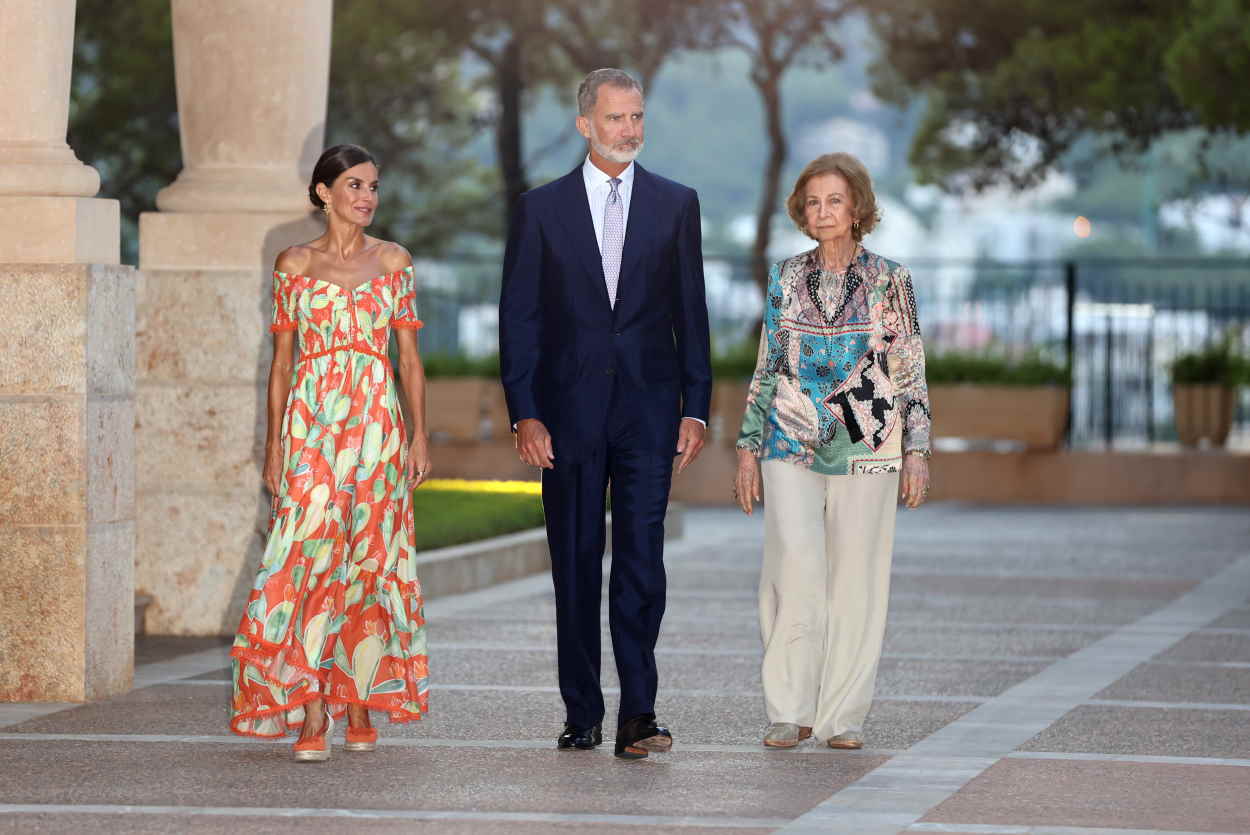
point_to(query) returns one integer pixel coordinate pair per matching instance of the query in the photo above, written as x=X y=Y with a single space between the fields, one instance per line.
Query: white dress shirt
x=598 y=187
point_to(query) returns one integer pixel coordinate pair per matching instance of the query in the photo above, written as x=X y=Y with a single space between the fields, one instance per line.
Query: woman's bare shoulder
x=294 y=260
x=394 y=257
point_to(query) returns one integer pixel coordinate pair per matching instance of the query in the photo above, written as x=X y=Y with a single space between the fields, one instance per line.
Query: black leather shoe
x=638 y=736
x=583 y=738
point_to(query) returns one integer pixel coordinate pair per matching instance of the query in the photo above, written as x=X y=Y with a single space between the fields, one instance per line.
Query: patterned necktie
x=613 y=239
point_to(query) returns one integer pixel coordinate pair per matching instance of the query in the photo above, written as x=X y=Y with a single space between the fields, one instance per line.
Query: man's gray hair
x=588 y=90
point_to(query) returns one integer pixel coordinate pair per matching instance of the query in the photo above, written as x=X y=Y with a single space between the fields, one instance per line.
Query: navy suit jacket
x=563 y=348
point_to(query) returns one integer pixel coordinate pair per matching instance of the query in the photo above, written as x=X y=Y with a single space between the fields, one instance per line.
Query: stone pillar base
x=59 y=230
x=220 y=241
x=203 y=354
x=204 y=351
x=43 y=170
x=67 y=498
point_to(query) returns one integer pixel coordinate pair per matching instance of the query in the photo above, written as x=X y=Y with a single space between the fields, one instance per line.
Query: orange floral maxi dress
x=336 y=610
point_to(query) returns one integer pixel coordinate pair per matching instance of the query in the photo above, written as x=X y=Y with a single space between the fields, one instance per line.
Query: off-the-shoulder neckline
x=352 y=289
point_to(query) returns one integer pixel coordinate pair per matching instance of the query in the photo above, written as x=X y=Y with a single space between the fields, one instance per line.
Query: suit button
x=609 y=371
x=617 y=333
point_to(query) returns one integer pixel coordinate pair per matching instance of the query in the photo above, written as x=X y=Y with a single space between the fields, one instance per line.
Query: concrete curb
x=476 y=565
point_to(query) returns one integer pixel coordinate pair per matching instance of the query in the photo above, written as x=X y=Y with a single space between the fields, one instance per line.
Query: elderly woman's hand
x=914 y=484
x=747 y=484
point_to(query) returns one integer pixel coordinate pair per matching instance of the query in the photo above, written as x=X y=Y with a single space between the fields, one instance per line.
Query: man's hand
x=533 y=443
x=689 y=441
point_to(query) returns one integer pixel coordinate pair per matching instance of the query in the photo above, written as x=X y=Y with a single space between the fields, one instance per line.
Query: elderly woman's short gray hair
x=588 y=90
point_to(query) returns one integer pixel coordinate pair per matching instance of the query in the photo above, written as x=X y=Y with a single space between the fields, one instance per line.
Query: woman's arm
x=750 y=444
x=907 y=373
x=289 y=262
x=768 y=359
x=411 y=372
x=412 y=380
x=279 y=389
x=907 y=365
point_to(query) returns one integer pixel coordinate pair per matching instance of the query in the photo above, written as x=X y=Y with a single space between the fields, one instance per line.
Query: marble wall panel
x=198 y=552
x=42 y=619
x=109 y=617
x=44 y=325
x=67 y=482
x=110 y=312
x=110 y=459
x=43 y=477
x=200 y=437
x=209 y=327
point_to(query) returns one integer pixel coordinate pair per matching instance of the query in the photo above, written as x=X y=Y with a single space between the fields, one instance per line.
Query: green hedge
x=460 y=365
x=453 y=517
x=737 y=363
x=990 y=370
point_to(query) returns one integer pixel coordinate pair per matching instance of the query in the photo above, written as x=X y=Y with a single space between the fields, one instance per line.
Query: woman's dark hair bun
x=333 y=162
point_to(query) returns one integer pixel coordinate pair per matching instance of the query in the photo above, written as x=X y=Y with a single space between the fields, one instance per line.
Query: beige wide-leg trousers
x=824 y=590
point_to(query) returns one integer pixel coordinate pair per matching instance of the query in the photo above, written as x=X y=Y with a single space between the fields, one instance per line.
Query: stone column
x=67 y=515
x=252 y=81
x=43 y=216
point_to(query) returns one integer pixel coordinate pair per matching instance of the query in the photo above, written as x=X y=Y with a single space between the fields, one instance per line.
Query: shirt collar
x=595 y=176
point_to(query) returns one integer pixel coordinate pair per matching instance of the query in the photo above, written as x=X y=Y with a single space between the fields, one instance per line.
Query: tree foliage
x=1011 y=86
x=525 y=46
x=777 y=36
x=130 y=137
x=398 y=89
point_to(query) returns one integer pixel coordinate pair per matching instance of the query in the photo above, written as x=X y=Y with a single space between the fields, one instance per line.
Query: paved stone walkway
x=1057 y=672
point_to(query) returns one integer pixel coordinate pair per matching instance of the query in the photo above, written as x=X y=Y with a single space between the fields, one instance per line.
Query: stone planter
x=1030 y=415
x=1203 y=411
x=454 y=407
x=496 y=411
x=729 y=399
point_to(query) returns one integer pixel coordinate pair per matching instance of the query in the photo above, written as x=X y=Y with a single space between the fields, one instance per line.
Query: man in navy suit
x=604 y=358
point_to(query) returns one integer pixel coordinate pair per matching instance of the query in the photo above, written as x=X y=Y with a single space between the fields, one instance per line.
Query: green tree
x=1012 y=86
x=528 y=45
x=777 y=36
x=1210 y=166
x=396 y=87
x=130 y=137
x=1209 y=59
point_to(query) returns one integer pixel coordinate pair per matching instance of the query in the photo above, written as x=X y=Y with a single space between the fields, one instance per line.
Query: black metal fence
x=1120 y=323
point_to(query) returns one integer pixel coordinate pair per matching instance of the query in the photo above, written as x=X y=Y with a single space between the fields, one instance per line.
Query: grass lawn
x=453 y=511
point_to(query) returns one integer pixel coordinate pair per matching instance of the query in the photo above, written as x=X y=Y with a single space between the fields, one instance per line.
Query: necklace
x=844 y=263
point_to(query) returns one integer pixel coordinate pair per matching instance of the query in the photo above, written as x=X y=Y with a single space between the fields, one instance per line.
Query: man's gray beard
x=613 y=155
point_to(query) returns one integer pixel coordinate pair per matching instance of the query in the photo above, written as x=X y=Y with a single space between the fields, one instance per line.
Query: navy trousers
x=639 y=475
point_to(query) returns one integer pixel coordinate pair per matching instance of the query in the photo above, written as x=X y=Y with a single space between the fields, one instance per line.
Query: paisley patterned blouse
x=839 y=385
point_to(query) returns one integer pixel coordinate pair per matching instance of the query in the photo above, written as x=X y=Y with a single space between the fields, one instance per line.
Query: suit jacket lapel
x=641 y=226
x=581 y=229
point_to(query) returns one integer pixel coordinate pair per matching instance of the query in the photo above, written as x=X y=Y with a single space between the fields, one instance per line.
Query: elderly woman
x=837 y=409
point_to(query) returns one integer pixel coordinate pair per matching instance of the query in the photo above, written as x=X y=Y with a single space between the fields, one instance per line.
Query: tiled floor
x=1046 y=672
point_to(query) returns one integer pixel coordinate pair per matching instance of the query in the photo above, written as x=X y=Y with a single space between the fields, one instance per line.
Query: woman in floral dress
x=334 y=622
